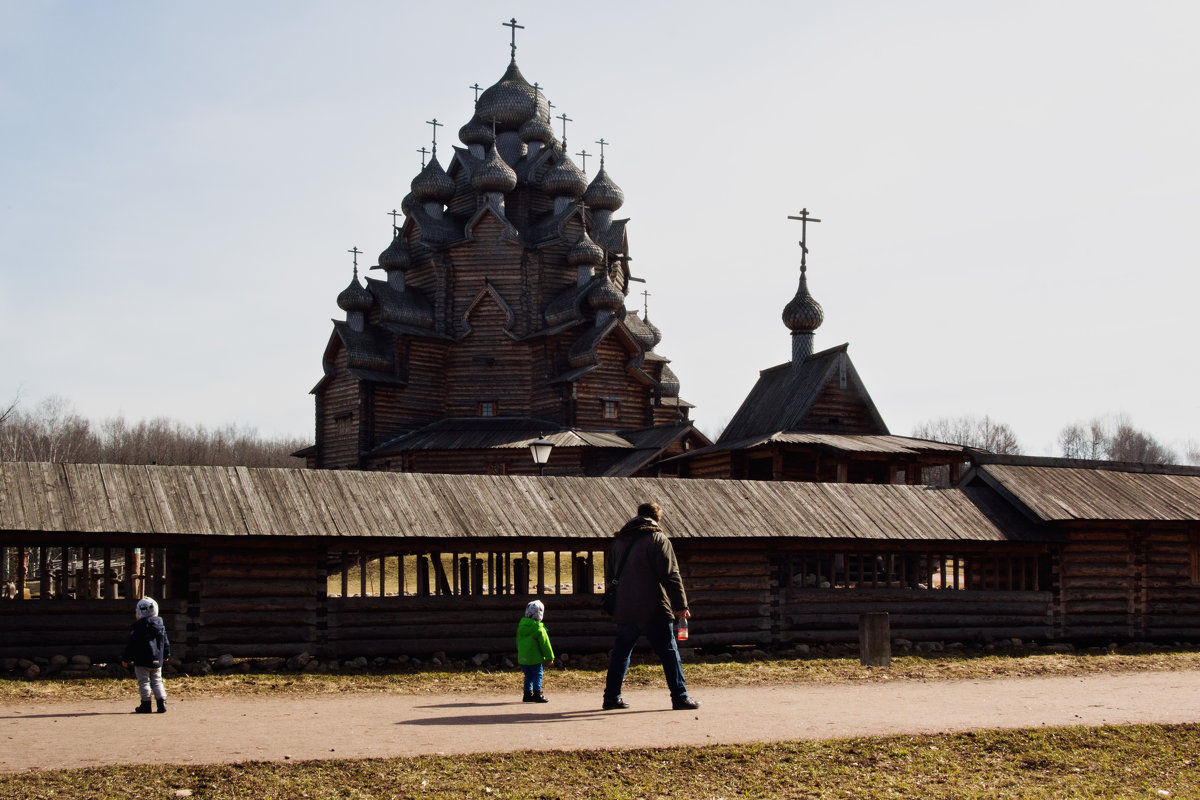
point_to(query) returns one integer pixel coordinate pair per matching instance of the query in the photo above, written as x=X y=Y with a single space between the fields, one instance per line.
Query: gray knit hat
x=146 y=607
x=535 y=609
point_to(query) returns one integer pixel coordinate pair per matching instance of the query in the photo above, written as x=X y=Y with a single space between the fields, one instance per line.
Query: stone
x=312 y=665
x=24 y=663
x=59 y=660
x=8 y=664
x=440 y=656
x=299 y=661
x=801 y=649
x=480 y=659
x=1059 y=647
x=32 y=671
x=81 y=660
x=224 y=662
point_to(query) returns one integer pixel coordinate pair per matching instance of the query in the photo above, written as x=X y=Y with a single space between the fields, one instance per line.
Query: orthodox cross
x=424 y=151
x=435 y=125
x=602 y=143
x=565 y=119
x=477 y=89
x=804 y=220
x=645 y=304
x=393 y=214
x=512 y=23
x=584 y=154
x=356 y=253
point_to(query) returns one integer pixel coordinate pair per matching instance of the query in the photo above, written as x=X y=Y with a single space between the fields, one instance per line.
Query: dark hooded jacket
x=148 y=643
x=650 y=588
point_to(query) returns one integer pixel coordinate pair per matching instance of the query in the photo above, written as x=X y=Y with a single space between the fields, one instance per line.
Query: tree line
x=53 y=431
x=1110 y=438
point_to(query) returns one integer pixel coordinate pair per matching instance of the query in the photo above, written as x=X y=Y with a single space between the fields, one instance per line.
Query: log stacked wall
x=1172 y=599
x=98 y=629
x=842 y=404
x=1099 y=596
x=611 y=381
x=339 y=397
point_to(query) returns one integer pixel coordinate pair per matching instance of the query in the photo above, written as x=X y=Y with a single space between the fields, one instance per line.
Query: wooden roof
x=783 y=397
x=241 y=502
x=1053 y=490
x=840 y=443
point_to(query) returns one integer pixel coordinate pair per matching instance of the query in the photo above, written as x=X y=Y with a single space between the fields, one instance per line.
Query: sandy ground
x=199 y=731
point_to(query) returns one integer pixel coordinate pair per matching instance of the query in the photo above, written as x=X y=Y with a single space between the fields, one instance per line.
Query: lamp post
x=540 y=449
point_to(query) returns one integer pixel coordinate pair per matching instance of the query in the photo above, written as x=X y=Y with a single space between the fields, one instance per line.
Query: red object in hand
x=681 y=629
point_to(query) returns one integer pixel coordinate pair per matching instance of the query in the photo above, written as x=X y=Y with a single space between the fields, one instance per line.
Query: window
x=915 y=570
x=358 y=573
x=82 y=573
x=610 y=408
x=487 y=408
x=345 y=423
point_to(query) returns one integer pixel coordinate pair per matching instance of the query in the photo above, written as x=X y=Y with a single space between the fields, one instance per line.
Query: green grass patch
x=1111 y=762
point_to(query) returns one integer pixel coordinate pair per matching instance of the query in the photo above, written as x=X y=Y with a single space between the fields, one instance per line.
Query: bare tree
x=982 y=433
x=1191 y=450
x=1113 y=438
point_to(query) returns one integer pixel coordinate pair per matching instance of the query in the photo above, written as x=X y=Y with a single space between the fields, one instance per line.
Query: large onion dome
x=605 y=297
x=585 y=253
x=537 y=129
x=406 y=204
x=650 y=336
x=565 y=179
x=433 y=184
x=603 y=194
x=510 y=102
x=803 y=314
x=354 y=297
x=396 y=256
x=475 y=132
x=494 y=175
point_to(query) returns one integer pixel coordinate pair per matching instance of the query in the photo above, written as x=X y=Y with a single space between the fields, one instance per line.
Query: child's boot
x=528 y=698
x=538 y=697
x=144 y=708
x=162 y=705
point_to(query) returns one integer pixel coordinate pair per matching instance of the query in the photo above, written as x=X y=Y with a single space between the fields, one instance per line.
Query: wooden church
x=812 y=419
x=500 y=319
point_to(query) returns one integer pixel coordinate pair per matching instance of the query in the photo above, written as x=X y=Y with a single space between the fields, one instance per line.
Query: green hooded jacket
x=533 y=642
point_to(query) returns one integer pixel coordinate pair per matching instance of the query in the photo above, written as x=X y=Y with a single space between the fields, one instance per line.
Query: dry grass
x=1110 y=762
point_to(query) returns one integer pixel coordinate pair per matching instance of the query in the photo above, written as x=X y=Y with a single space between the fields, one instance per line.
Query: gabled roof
x=783 y=397
x=495 y=433
x=649 y=445
x=839 y=443
x=115 y=499
x=1059 y=489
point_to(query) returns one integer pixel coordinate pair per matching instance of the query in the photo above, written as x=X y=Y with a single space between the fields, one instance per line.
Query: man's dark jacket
x=650 y=588
x=148 y=643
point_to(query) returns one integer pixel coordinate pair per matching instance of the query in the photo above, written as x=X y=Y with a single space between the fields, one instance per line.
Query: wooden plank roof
x=240 y=502
x=1055 y=490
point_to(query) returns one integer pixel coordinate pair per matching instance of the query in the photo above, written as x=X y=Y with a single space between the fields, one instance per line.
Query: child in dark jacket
x=148 y=651
x=534 y=650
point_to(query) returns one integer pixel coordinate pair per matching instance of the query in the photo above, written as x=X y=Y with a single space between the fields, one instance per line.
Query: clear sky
x=1008 y=192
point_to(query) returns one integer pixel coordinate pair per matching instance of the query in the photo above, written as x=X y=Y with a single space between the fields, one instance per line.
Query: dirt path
x=197 y=731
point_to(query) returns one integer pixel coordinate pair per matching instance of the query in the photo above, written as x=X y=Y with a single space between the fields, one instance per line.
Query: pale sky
x=1008 y=192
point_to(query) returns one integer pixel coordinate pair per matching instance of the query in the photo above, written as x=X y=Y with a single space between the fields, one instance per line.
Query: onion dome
x=494 y=175
x=565 y=179
x=354 y=297
x=475 y=132
x=510 y=102
x=585 y=253
x=605 y=297
x=668 y=383
x=432 y=183
x=803 y=314
x=537 y=129
x=396 y=256
x=651 y=337
x=406 y=204
x=603 y=194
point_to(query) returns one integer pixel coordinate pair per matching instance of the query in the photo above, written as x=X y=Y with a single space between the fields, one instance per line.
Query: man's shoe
x=685 y=703
x=538 y=697
x=527 y=698
x=609 y=705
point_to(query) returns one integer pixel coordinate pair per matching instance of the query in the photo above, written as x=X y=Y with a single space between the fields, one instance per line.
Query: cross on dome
x=804 y=220
x=602 y=144
x=435 y=125
x=512 y=23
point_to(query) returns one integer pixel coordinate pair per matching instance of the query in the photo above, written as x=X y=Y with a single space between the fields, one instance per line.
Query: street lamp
x=540 y=449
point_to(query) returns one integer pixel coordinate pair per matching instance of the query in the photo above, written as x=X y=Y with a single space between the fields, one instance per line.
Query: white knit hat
x=535 y=609
x=146 y=607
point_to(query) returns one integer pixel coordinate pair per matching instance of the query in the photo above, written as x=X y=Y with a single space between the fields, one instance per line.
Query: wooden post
x=874 y=639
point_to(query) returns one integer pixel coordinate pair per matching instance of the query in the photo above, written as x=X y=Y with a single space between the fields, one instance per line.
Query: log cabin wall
x=338 y=418
x=1172 y=583
x=1100 y=593
x=609 y=383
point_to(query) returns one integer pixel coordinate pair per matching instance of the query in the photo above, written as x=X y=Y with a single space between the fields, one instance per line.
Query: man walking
x=650 y=596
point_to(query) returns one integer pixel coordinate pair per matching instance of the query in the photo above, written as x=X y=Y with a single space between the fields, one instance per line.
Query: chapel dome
x=475 y=132
x=511 y=101
x=565 y=179
x=605 y=297
x=354 y=297
x=803 y=314
x=396 y=256
x=585 y=252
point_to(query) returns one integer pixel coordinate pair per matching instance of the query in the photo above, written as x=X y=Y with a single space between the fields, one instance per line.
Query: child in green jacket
x=534 y=650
